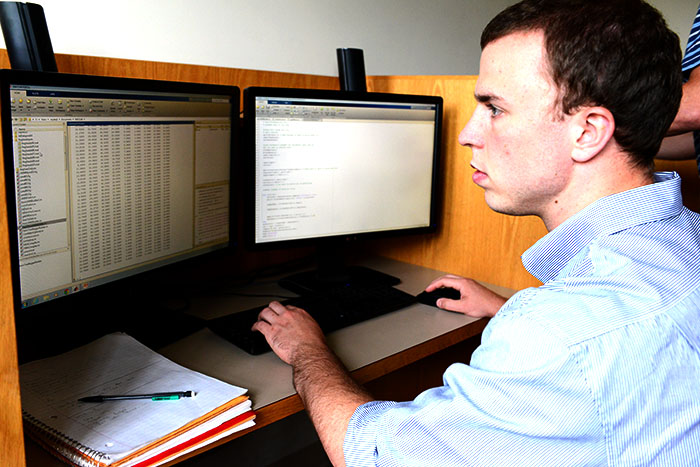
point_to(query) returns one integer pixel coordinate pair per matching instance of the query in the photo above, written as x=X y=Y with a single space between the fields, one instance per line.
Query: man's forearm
x=330 y=396
x=678 y=147
x=688 y=117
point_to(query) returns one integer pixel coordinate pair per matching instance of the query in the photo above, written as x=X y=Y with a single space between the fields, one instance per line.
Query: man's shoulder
x=619 y=278
x=622 y=277
x=520 y=338
x=543 y=310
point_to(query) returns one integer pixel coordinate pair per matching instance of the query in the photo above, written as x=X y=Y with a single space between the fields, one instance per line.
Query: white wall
x=399 y=37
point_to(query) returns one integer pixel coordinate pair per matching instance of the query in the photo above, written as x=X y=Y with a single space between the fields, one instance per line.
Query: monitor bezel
x=250 y=95
x=23 y=77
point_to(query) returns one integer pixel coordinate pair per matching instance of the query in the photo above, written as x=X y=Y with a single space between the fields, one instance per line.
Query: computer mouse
x=430 y=298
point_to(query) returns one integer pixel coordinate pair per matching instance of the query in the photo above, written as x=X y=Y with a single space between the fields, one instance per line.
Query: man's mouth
x=478 y=177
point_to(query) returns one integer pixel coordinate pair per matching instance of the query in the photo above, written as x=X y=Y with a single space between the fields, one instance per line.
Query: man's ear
x=593 y=128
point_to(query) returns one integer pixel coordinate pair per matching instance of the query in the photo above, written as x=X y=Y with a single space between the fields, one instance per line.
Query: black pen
x=156 y=396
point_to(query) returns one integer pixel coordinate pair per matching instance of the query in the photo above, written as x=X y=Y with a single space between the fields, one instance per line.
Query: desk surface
x=270 y=380
x=369 y=350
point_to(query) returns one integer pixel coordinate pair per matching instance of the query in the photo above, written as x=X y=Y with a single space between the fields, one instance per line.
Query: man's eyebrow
x=486 y=98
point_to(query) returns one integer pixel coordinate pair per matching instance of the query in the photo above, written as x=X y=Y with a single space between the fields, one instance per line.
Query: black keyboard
x=333 y=309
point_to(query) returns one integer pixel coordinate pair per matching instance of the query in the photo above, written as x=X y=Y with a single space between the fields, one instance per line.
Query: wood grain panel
x=189 y=73
x=11 y=439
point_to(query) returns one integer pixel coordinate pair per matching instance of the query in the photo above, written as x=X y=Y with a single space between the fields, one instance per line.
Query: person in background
x=601 y=364
x=683 y=138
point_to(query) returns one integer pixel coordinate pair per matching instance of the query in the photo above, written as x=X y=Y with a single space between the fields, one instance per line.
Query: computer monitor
x=330 y=166
x=110 y=177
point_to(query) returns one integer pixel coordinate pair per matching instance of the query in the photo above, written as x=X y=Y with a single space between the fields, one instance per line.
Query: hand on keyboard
x=288 y=328
x=333 y=310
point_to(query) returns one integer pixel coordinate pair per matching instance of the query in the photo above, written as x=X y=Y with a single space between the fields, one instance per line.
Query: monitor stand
x=158 y=328
x=333 y=272
x=154 y=311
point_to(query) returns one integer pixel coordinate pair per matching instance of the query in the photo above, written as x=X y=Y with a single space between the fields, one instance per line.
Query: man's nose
x=470 y=134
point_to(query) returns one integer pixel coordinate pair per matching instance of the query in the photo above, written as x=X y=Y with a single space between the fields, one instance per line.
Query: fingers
x=287 y=329
x=476 y=300
x=271 y=314
x=448 y=280
x=458 y=306
x=261 y=326
x=272 y=311
x=267 y=317
x=447 y=303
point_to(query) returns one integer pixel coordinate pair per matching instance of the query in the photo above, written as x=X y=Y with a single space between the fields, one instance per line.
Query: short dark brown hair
x=618 y=54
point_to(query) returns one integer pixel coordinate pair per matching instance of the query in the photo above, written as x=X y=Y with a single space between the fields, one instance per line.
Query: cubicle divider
x=472 y=239
x=11 y=439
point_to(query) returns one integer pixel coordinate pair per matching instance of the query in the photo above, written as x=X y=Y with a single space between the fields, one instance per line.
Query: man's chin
x=502 y=207
x=496 y=204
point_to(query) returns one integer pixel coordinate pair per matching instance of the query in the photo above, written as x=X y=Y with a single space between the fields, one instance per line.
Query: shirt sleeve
x=691 y=57
x=521 y=401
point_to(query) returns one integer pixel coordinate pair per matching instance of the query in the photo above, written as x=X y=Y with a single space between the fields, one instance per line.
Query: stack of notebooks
x=127 y=433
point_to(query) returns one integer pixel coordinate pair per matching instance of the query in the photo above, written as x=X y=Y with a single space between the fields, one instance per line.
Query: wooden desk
x=370 y=349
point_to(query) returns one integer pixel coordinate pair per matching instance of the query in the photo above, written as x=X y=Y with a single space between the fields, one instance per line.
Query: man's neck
x=600 y=177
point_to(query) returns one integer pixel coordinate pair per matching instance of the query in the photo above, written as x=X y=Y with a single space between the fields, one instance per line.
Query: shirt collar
x=613 y=213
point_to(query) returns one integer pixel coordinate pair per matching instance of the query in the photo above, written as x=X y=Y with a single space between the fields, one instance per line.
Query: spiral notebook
x=132 y=433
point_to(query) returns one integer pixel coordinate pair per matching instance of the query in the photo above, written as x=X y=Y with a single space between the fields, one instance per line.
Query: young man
x=601 y=364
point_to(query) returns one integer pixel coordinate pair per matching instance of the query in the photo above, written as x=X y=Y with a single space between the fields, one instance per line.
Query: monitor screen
x=110 y=177
x=340 y=164
x=328 y=166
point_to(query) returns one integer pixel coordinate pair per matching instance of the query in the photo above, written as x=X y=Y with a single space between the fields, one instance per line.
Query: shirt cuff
x=360 y=445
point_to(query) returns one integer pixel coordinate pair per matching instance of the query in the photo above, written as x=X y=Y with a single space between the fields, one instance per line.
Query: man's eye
x=495 y=111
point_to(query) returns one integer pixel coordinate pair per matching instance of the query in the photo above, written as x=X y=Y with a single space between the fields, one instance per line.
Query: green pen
x=156 y=396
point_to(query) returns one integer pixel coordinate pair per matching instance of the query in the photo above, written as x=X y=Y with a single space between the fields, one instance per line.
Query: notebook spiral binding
x=50 y=434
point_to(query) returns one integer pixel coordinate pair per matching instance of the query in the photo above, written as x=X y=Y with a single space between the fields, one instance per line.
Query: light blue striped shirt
x=598 y=366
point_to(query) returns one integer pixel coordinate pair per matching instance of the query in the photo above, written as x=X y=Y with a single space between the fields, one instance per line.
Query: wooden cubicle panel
x=11 y=440
x=193 y=73
x=11 y=437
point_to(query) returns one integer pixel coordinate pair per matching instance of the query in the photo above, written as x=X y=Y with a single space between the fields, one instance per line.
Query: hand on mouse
x=476 y=300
